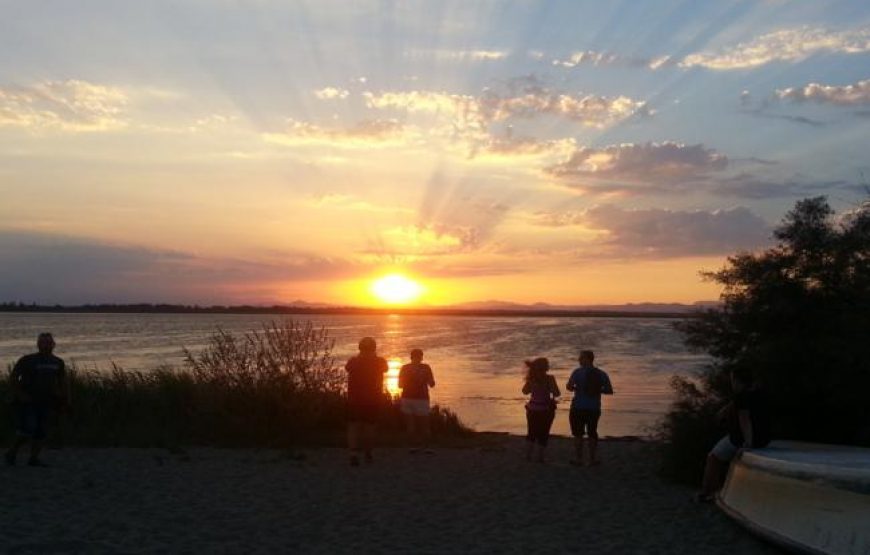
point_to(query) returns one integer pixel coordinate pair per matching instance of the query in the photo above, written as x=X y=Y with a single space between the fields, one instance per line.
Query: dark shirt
x=365 y=379
x=757 y=403
x=415 y=379
x=40 y=376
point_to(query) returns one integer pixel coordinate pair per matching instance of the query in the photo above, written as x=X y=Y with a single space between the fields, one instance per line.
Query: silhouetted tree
x=798 y=314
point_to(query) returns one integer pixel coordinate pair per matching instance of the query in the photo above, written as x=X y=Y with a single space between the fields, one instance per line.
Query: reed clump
x=279 y=386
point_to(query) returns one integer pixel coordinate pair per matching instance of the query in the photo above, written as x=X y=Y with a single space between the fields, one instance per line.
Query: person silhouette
x=365 y=392
x=541 y=408
x=588 y=384
x=39 y=387
x=415 y=379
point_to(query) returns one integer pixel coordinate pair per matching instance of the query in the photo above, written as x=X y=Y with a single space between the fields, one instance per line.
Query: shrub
x=275 y=387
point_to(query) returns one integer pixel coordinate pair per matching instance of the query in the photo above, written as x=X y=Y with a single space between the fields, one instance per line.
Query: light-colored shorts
x=725 y=450
x=415 y=407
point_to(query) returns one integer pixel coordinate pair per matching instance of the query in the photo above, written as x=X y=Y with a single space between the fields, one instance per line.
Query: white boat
x=807 y=497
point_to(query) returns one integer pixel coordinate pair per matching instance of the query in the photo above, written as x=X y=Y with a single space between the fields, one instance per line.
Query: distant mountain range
x=544 y=307
x=305 y=307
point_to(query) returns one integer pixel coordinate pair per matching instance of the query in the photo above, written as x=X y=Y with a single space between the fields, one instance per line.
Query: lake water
x=477 y=361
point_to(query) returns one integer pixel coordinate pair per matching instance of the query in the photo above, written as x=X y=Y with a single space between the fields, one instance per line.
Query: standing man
x=588 y=384
x=365 y=394
x=38 y=387
x=415 y=379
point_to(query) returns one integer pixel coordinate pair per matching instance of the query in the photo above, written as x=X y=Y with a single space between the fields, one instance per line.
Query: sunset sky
x=260 y=151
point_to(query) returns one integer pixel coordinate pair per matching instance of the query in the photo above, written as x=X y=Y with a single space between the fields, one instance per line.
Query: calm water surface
x=477 y=361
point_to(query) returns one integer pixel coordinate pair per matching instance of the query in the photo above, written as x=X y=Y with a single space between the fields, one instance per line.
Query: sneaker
x=10 y=458
x=36 y=462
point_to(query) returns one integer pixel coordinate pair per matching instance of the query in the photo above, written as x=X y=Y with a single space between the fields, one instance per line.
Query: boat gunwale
x=852 y=479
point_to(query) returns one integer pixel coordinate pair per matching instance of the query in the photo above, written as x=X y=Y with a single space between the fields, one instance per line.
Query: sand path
x=473 y=500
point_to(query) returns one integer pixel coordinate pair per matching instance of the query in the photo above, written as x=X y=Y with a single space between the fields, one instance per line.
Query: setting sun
x=396 y=289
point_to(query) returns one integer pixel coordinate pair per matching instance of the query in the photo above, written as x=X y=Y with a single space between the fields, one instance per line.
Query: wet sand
x=480 y=499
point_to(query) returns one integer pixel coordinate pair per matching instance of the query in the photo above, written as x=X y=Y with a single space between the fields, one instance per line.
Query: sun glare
x=396 y=289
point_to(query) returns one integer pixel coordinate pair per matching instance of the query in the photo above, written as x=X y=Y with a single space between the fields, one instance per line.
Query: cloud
x=532 y=101
x=61 y=269
x=595 y=58
x=663 y=233
x=750 y=186
x=589 y=110
x=786 y=45
x=847 y=95
x=71 y=106
x=375 y=133
x=647 y=163
x=331 y=93
x=458 y=55
x=512 y=147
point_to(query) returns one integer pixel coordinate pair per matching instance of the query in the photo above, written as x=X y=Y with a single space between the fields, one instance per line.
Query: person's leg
x=425 y=428
x=410 y=428
x=353 y=441
x=593 y=438
x=25 y=428
x=368 y=440
x=577 y=431
x=546 y=423
x=12 y=452
x=716 y=467
x=714 y=475
x=530 y=434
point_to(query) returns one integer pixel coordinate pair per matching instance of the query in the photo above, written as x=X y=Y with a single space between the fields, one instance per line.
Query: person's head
x=536 y=369
x=586 y=358
x=416 y=355
x=367 y=346
x=45 y=343
x=741 y=378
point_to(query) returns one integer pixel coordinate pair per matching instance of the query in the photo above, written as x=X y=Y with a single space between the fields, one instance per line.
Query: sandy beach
x=480 y=499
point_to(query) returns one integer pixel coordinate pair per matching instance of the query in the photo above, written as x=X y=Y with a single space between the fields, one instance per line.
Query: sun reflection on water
x=392 y=378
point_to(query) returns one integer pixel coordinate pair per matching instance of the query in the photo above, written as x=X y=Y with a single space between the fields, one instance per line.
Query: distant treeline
x=147 y=308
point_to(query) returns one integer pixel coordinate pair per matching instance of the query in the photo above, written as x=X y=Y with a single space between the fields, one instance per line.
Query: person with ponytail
x=541 y=408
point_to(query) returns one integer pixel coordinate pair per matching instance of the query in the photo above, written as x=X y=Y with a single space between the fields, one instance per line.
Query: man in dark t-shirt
x=39 y=387
x=365 y=393
x=748 y=417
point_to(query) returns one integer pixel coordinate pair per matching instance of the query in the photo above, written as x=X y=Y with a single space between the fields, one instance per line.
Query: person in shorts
x=365 y=395
x=39 y=387
x=747 y=416
x=415 y=379
x=541 y=408
x=588 y=384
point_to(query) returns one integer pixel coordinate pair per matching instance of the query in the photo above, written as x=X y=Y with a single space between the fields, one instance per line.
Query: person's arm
x=527 y=387
x=606 y=387
x=62 y=387
x=554 y=387
x=745 y=422
x=18 y=392
x=572 y=384
x=431 y=381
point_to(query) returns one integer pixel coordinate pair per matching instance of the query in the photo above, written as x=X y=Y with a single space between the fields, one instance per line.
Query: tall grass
x=276 y=387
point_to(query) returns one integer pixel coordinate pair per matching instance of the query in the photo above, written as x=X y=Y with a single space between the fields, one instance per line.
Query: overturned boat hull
x=806 y=497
